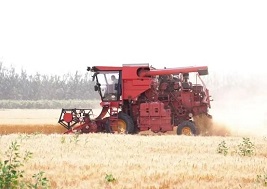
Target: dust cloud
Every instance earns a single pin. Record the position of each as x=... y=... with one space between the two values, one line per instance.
x=208 y=127
x=240 y=109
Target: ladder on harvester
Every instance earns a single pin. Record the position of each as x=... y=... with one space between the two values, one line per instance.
x=113 y=118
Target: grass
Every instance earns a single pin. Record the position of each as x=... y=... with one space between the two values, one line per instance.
x=136 y=161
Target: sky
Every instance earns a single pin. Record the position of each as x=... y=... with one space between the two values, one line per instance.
x=61 y=36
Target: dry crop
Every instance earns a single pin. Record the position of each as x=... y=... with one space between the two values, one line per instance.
x=31 y=128
x=45 y=121
x=134 y=161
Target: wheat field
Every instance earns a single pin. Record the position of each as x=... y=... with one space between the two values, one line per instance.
x=145 y=161
x=30 y=121
x=46 y=121
x=135 y=161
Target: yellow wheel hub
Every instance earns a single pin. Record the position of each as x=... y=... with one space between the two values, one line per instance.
x=186 y=131
x=121 y=126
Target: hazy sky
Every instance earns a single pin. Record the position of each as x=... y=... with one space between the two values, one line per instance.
x=55 y=36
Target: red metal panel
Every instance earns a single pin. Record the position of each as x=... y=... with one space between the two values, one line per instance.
x=200 y=110
x=154 y=109
x=156 y=124
x=173 y=71
x=132 y=84
x=133 y=88
x=131 y=72
x=144 y=109
x=106 y=68
x=187 y=99
x=154 y=116
x=143 y=82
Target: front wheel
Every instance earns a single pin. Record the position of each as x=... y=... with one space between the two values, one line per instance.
x=186 y=128
x=125 y=125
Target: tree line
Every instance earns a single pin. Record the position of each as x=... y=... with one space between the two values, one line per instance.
x=24 y=86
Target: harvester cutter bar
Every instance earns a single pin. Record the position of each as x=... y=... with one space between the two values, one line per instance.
x=70 y=117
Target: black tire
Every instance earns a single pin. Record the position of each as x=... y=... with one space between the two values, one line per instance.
x=186 y=125
x=130 y=129
x=107 y=127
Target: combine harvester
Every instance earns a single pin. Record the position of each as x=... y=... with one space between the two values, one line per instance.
x=138 y=97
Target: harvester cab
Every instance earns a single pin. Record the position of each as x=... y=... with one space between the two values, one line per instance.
x=108 y=85
x=138 y=97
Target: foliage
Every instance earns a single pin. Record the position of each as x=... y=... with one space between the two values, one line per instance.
x=222 y=148
x=75 y=138
x=14 y=86
x=10 y=168
x=40 y=181
x=19 y=85
x=11 y=173
x=72 y=139
x=262 y=179
x=246 y=148
x=110 y=178
x=62 y=139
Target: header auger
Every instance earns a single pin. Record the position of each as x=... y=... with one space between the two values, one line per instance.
x=138 y=97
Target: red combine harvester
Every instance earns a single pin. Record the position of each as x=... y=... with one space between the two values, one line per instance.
x=138 y=97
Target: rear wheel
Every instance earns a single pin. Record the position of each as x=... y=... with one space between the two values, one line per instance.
x=125 y=125
x=186 y=128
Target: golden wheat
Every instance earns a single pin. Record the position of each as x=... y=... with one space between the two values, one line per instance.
x=167 y=161
x=45 y=121
x=136 y=161
x=31 y=128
